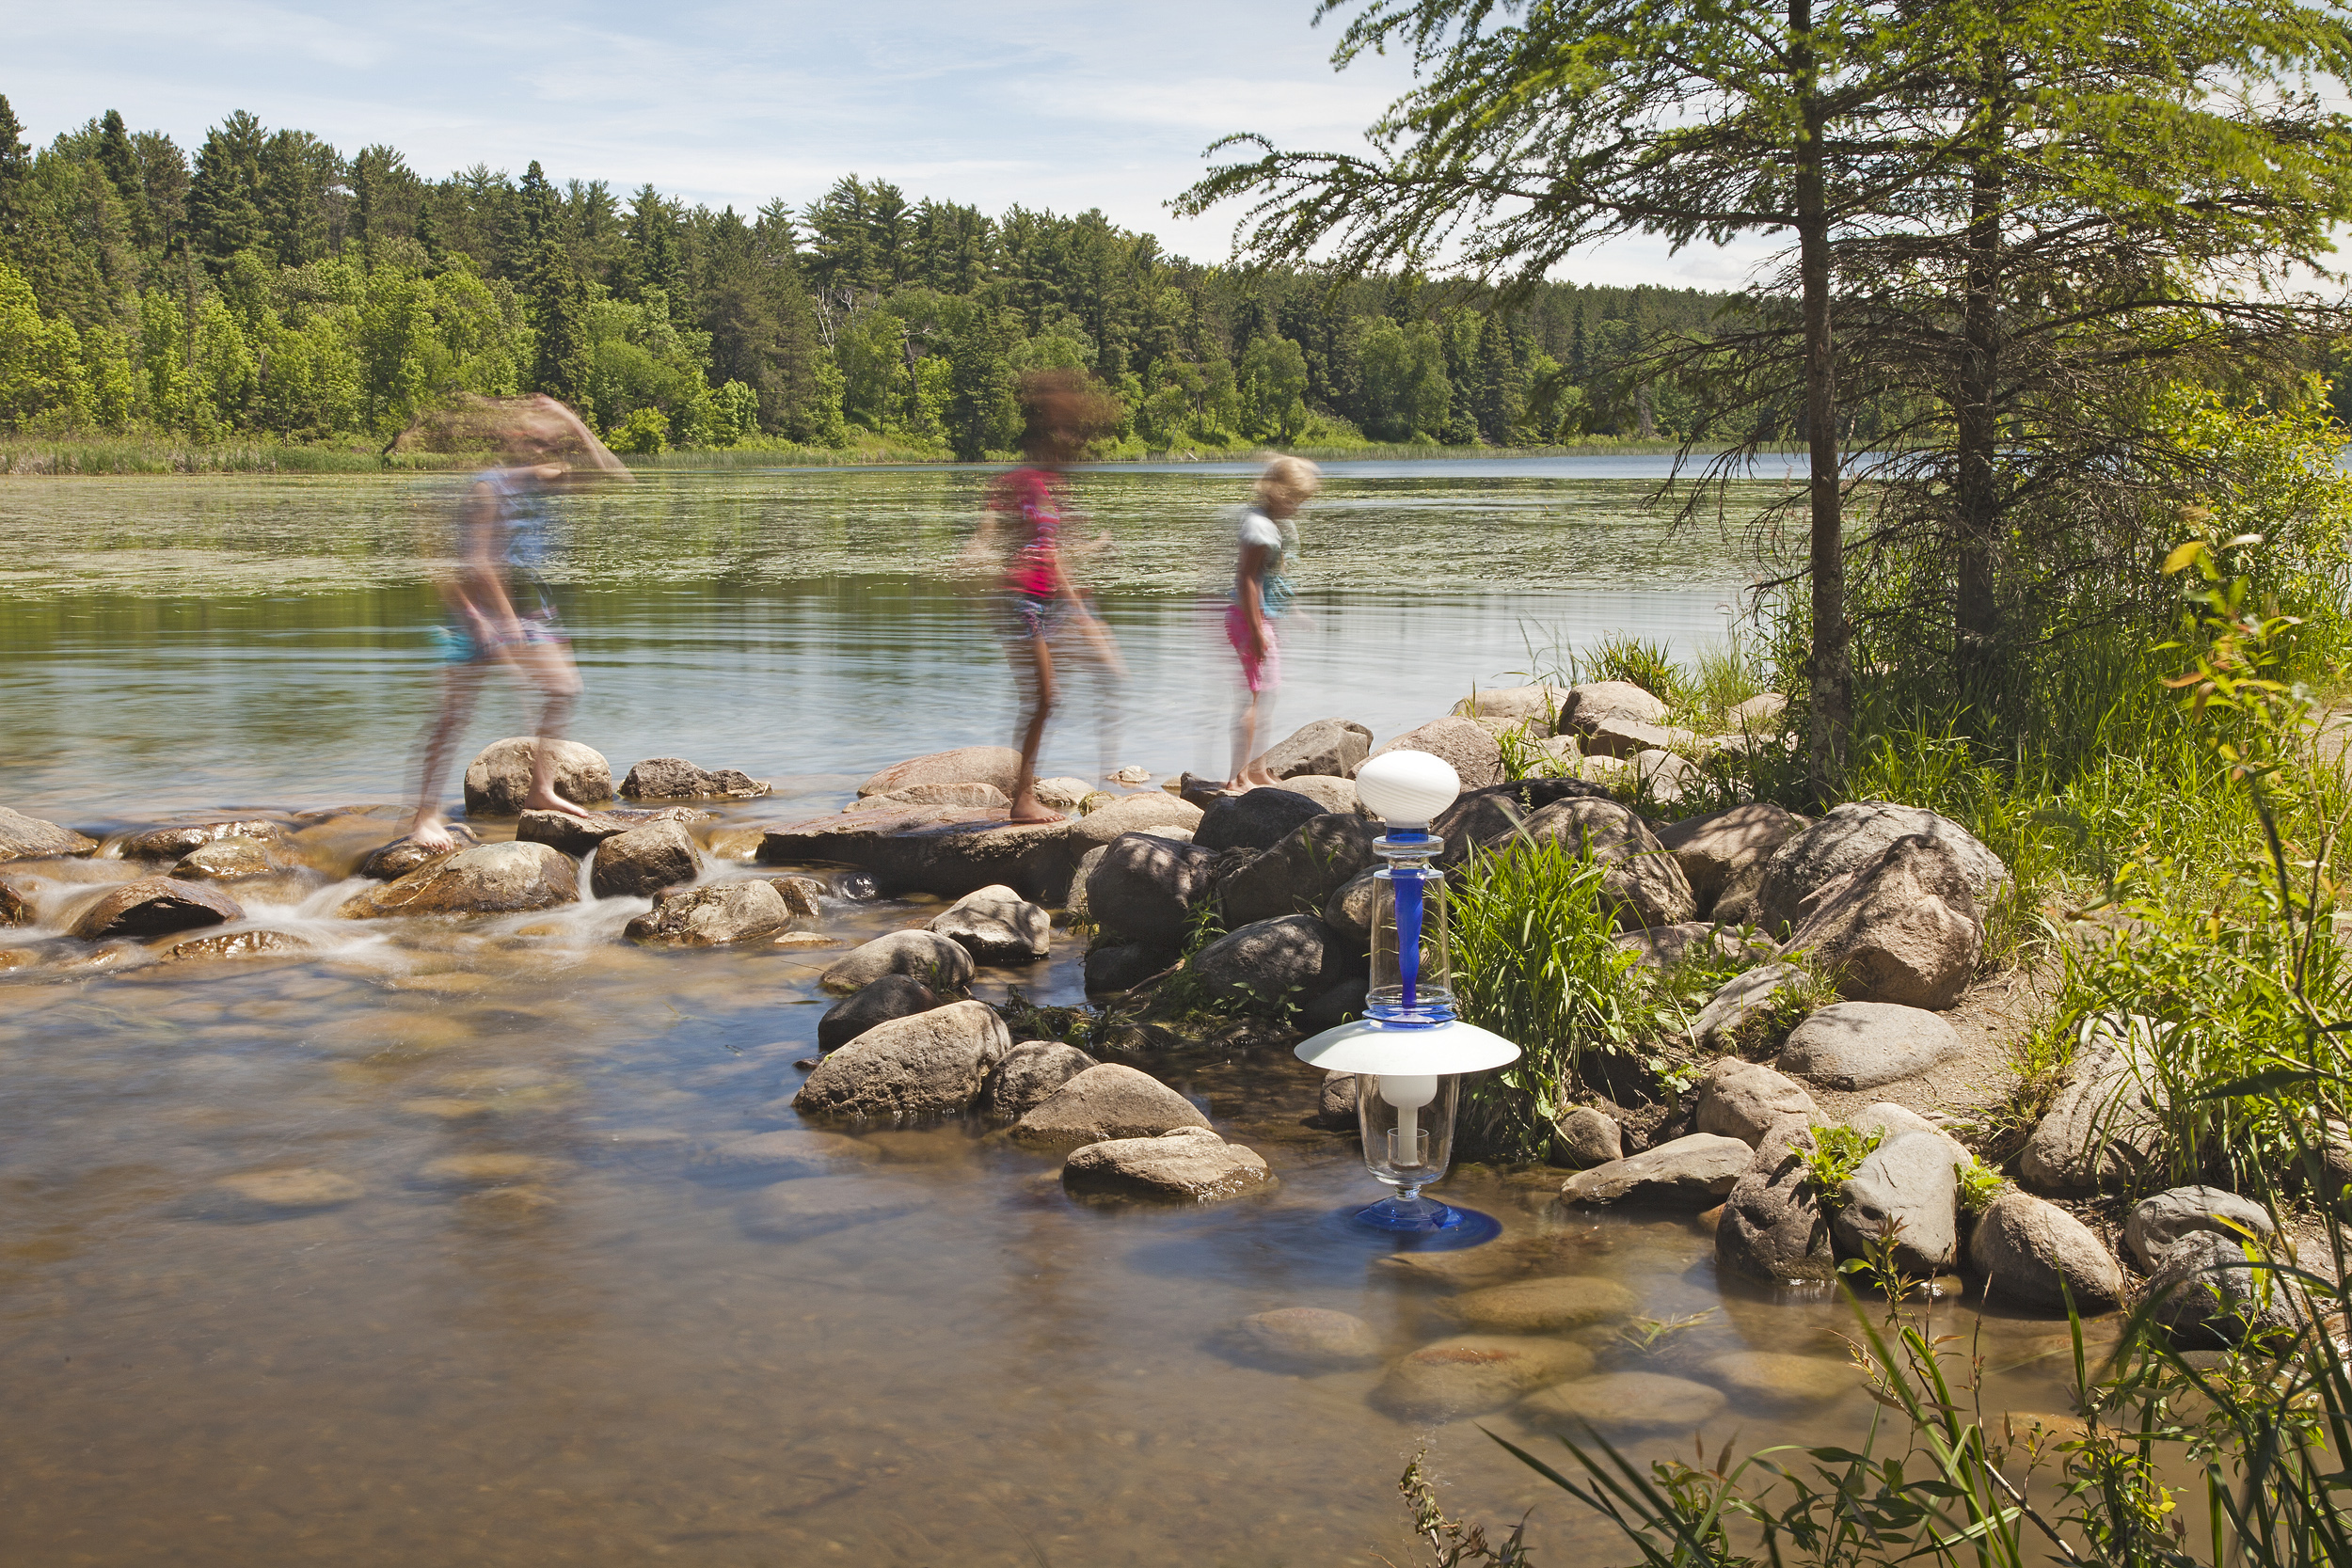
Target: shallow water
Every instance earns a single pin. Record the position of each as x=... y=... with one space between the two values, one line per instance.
x=531 y=1310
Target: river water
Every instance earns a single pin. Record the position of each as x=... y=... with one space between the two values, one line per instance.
x=524 y=1303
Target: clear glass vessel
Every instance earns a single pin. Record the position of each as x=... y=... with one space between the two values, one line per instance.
x=1412 y=979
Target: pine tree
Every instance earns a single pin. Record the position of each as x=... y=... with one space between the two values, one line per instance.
x=559 y=298
x=16 y=177
x=224 y=215
x=982 y=414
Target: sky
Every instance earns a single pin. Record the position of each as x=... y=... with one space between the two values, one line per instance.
x=1060 y=103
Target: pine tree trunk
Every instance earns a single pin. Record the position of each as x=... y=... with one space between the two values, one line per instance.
x=1833 y=675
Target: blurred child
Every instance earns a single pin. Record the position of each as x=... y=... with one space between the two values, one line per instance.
x=1267 y=539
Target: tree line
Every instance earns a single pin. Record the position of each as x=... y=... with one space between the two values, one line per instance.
x=272 y=285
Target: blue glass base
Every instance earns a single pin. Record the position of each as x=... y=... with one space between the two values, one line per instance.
x=1423 y=1216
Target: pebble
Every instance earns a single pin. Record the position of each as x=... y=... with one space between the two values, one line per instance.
x=1639 y=1400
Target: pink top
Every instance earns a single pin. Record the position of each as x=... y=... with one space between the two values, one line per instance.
x=1030 y=494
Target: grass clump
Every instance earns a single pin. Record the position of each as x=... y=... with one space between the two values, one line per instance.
x=1833 y=1154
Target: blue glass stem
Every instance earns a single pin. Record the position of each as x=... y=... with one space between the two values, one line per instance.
x=1408 y=910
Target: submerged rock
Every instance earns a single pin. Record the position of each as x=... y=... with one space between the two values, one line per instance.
x=29 y=838
x=498 y=780
x=152 y=906
x=790 y=1210
x=1309 y=1338
x=1471 y=1374
x=677 y=778
x=926 y=956
x=643 y=860
x=718 y=916
x=1635 y=1402
x=1775 y=1379
x=1542 y=1306
x=239 y=944
x=1107 y=1101
x=933 y=1064
x=492 y=878
x=996 y=926
x=1191 y=1165
x=299 y=1191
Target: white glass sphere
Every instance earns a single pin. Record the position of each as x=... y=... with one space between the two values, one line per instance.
x=1407 y=789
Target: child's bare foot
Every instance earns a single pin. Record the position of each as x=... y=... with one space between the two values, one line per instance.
x=1026 y=809
x=431 y=835
x=548 y=799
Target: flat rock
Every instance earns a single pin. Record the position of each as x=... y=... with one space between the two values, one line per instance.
x=1744 y=1099
x=2033 y=1252
x=947 y=850
x=2157 y=1225
x=1774 y=1226
x=1191 y=1165
x=1692 y=1173
x=718 y=916
x=1714 y=848
x=172 y=843
x=1106 y=1101
x=677 y=778
x=239 y=944
x=1740 y=1015
x=154 y=906
x=791 y=1210
x=29 y=838
x=1302 y=870
x=927 y=955
x=1585 y=1137
x=1332 y=746
x=491 y=879
x=985 y=797
x=1903 y=928
x=877 y=1001
x=497 y=781
x=2103 y=1130
x=1595 y=703
x=643 y=860
x=1860 y=1045
x=1030 y=1072
x=1471 y=1374
x=1777 y=1380
x=1908 y=1187
x=388 y=862
x=1629 y=1402
x=1309 y=1338
x=1641 y=877
x=234 y=859
x=1255 y=820
x=1850 y=837
x=996 y=926
x=992 y=765
x=931 y=1064
x=1473 y=753
x=1269 y=965
x=1542 y=1306
x=1631 y=738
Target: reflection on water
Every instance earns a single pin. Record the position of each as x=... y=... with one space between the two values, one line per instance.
x=442 y=1243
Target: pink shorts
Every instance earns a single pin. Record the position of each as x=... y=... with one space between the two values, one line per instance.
x=1261 y=675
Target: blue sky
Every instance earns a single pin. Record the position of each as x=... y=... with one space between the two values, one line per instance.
x=1046 y=102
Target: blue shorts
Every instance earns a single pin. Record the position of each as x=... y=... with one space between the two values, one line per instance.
x=1031 y=616
x=459 y=645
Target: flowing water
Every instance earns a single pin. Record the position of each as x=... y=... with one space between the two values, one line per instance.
x=521 y=1299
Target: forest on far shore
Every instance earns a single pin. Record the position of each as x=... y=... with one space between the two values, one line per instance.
x=272 y=286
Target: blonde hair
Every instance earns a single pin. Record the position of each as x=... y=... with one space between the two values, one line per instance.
x=1288 y=479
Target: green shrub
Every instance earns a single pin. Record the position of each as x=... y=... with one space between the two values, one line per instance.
x=1835 y=1152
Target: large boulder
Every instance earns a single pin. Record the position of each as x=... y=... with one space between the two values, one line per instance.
x=947 y=850
x=2217 y=1290
x=1903 y=928
x=997 y=927
x=984 y=796
x=719 y=915
x=927 y=955
x=1255 y=820
x=1740 y=1017
x=1474 y=1373
x=1144 y=888
x=1108 y=1101
x=1030 y=1072
x=1301 y=872
x=1191 y=1165
x=1746 y=1100
x=1908 y=1188
x=29 y=838
x=180 y=839
x=1487 y=817
x=1075 y=906
x=2103 y=1129
x=993 y=764
x=1714 y=848
x=1263 y=967
x=1597 y=702
x=2157 y=1225
x=498 y=780
x=1860 y=1045
x=878 y=1002
x=1691 y=1172
x=933 y=1064
x=1644 y=880
x=1330 y=793
x=1349 y=911
x=493 y=879
x=1850 y=837
x=677 y=778
x=643 y=860
x=1134 y=814
x=1464 y=743
x=152 y=906
x=388 y=862
x=1773 y=1226
x=2036 y=1253
x=1535 y=708
x=1331 y=747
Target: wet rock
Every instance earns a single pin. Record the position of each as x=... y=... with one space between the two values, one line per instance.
x=999 y=766
x=1334 y=748
x=15 y=908
x=1642 y=879
x=1258 y=819
x=2103 y=1128
x=239 y=944
x=1542 y=1306
x=947 y=850
x=1492 y=1263
x=227 y=860
x=1714 y=848
x=490 y=1168
x=795 y=1151
x=677 y=778
x=1903 y=928
x=1743 y=1099
x=644 y=861
x=933 y=1064
x=1144 y=887
x=1066 y=794
x=996 y=926
x=803 y=896
x=1906 y=1186
x=1584 y=1138
x=1629 y=1402
x=1597 y=702
x=792 y=1211
x=1850 y=837
x=1776 y=1379
x=739 y=845
x=1331 y=1009
x=1302 y=871
x=388 y=862
x=2025 y=1249
x=2215 y=1290
x=2157 y=1225
x=172 y=843
x=1773 y=1226
x=498 y=780
x=1694 y=940
x=1860 y=1045
x=492 y=878
x=1690 y=1173
x=152 y=906
x=577 y=835
x=1030 y=1072
x=1335 y=1105
x=1114 y=967
x=1742 y=1015
x=1464 y=744
x=1191 y=1165
x=1134 y=814
x=1263 y=967
x=1349 y=911
x=1106 y=1101
x=301 y=1191
x=29 y=838
x=719 y=915
x=1537 y=707
x=890 y=996
x=1474 y=1373
x=1309 y=1338
x=984 y=796
x=925 y=955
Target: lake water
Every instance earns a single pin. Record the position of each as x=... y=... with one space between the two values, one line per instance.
x=546 y=1320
